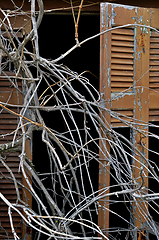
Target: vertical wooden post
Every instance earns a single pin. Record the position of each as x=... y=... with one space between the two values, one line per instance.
x=26 y=195
x=105 y=90
x=141 y=110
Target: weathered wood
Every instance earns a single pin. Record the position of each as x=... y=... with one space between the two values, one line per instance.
x=8 y=123
x=104 y=169
x=129 y=82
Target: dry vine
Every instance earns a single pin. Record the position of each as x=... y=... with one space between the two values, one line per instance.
x=71 y=200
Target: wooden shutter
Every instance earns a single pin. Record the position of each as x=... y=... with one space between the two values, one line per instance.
x=21 y=25
x=8 y=124
x=133 y=59
x=129 y=73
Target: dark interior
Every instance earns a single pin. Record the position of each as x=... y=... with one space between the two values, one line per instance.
x=56 y=36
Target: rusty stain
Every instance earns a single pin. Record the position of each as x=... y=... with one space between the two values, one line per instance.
x=141 y=40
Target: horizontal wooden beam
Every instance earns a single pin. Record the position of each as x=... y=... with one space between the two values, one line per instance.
x=88 y=6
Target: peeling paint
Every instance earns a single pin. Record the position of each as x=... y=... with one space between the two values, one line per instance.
x=139 y=104
x=102 y=95
x=108 y=77
x=140 y=20
x=100 y=171
x=103 y=15
x=117 y=96
x=110 y=24
x=135 y=32
x=124 y=6
x=134 y=18
x=113 y=16
x=145 y=30
x=139 y=55
x=102 y=104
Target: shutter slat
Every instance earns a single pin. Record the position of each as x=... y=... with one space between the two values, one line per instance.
x=154 y=79
x=122 y=55
x=154 y=85
x=8 y=121
x=122 y=38
x=154 y=34
x=122 y=61
x=120 y=84
x=154 y=51
x=123 y=31
x=154 y=40
x=123 y=115
x=116 y=89
x=154 y=63
x=154 y=68
x=122 y=49
x=154 y=46
x=122 y=67
x=154 y=74
x=122 y=43
x=123 y=73
x=121 y=79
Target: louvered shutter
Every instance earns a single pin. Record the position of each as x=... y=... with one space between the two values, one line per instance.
x=129 y=74
x=8 y=124
x=132 y=59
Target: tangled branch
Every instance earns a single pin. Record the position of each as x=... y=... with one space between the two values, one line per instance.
x=66 y=197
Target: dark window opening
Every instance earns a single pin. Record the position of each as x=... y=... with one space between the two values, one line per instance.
x=153 y=185
x=120 y=212
x=56 y=36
